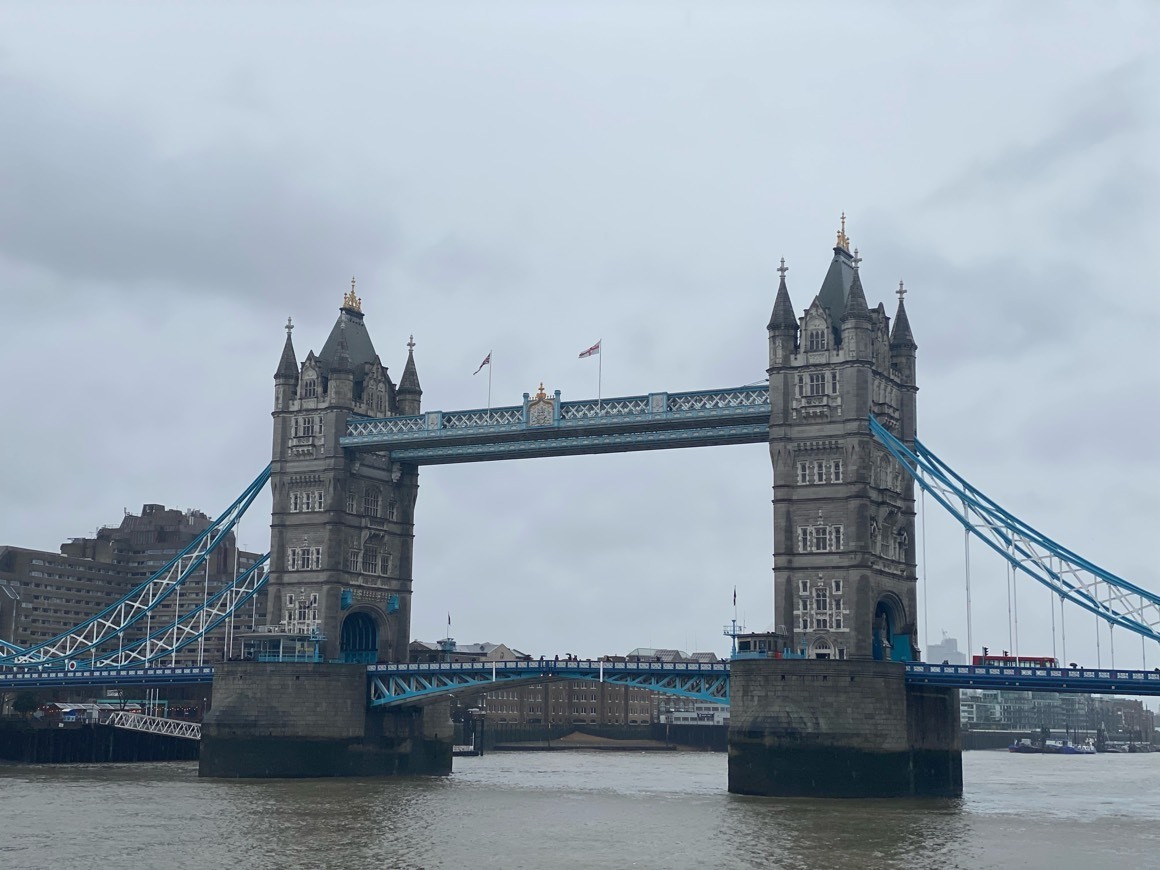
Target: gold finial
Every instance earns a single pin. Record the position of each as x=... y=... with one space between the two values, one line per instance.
x=411 y=344
x=843 y=240
x=901 y=291
x=289 y=326
x=350 y=301
x=782 y=269
x=541 y=394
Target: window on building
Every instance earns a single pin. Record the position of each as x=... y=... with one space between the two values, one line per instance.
x=371 y=499
x=833 y=383
x=803 y=473
x=817 y=384
x=370 y=560
x=837 y=588
x=295 y=502
x=352 y=559
x=309 y=388
x=801 y=385
x=306 y=427
x=392 y=509
x=385 y=563
x=841 y=652
x=819 y=472
x=317 y=558
x=837 y=614
x=292 y=559
x=351 y=501
x=307 y=501
x=819 y=539
x=816 y=339
x=836 y=471
x=821 y=599
x=804 y=586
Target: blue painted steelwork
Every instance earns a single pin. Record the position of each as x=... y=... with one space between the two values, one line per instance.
x=397 y=685
x=1067 y=574
x=192 y=625
x=656 y=421
x=91 y=638
x=37 y=679
x=1099 y=681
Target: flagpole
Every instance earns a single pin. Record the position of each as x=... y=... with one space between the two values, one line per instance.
x=599 y=372
x=489 y=367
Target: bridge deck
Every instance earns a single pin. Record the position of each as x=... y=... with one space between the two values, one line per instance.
x=689 y=678
x=546 y=426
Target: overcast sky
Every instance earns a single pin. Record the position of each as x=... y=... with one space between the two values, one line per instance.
x=527 y=178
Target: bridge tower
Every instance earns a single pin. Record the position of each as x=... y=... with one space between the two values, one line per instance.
x=342 y=530
x=845 y=723
x=844 y=542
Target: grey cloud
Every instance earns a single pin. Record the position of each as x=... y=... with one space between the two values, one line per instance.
x=89 y=196
x=1109 y=109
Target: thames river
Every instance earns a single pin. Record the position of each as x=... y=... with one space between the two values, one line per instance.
x=577 y=809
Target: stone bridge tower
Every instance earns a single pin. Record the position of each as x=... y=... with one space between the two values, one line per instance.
x=845 y=723
x=342 y=530
x=844 y=542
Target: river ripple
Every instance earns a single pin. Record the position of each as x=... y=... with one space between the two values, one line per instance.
x=576 y=809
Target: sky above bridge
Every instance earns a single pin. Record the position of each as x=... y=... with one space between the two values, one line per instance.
x=526 y=179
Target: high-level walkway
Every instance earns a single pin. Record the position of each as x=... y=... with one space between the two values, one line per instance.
x=545 y=426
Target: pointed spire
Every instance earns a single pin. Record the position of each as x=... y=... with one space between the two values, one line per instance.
x=341 y=363
x=900 y=336
x=843 y=241
x=856 y=307
x=288 y=364
x=410 y=380
x=783 y=316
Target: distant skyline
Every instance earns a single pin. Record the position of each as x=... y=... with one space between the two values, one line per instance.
x=525 y=180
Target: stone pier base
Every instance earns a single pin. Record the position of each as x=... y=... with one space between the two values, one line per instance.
x=303 y=720
x=824 y=728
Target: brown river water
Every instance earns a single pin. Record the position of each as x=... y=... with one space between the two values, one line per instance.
x=577 y=809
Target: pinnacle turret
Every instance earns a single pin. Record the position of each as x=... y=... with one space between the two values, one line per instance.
x=288 y=364
x=856 y=307
x=901 y=338
x=783 y=316
x=409 y=392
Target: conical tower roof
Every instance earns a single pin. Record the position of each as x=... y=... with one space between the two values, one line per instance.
x=409 y=383
x=900 y=335
x=288 y=364
x=360 y=349
x=340 y=362
x=783 y=316
x=856 y=307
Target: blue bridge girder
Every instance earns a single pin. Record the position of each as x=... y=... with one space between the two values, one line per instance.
x=656 y=421
x=15 y=680
x=1098 y=681
x=401 y=685
x=411 y=684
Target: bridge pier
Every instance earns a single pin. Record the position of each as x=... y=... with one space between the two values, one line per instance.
x=283 y=720
x=826 y=728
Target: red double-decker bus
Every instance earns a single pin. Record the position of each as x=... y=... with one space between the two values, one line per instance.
x=1010 y=661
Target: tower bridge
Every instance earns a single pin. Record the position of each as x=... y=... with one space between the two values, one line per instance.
x=837 y=406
